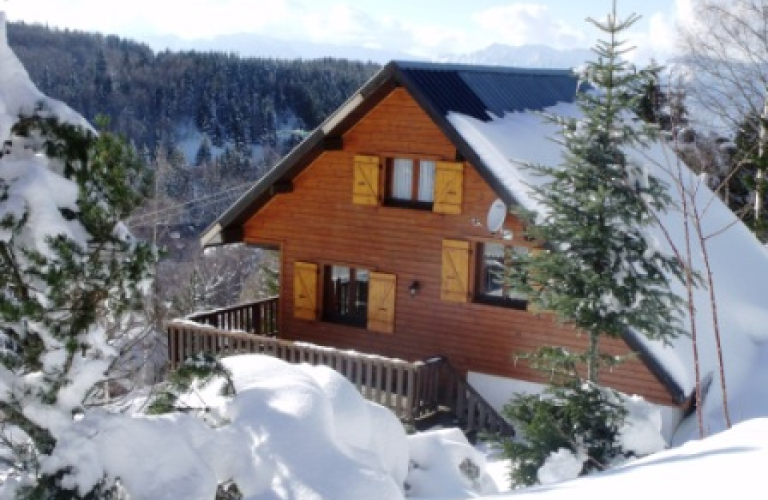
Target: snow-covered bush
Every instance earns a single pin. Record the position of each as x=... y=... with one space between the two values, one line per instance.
x=580 y=421
x=573 y=429
x=71 y=273
x=194 y=371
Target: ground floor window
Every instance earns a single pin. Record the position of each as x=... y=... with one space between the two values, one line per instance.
x=345 y=295
x=492 y=285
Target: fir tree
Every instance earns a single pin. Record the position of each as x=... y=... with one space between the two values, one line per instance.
x=66 y=280
x=204 y=155
x=602 y=273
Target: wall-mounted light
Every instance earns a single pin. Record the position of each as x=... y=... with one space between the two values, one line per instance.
x=414 y=288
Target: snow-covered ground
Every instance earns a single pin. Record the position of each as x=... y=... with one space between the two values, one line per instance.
x=291 y=432
x=728 y=464
x=294 y=432
x=298 y=432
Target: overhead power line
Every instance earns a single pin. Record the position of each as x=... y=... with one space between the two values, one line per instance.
x=176 y=209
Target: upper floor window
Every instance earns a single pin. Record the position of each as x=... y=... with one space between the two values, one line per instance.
x=410 y=182
x=492 y=285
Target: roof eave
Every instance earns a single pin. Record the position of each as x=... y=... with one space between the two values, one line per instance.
x=286 y=169
x=655 y=366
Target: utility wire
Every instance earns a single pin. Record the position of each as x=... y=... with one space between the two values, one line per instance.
x=176 y=208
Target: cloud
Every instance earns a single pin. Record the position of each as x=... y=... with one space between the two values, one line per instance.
x=660 y=40
x=529 y=23
x=685 y=12
x=656 y=42
x=185 y=18
x=343 y=24
x=346 y=24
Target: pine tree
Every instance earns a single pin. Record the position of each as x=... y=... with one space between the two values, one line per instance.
x=70 y=271
x=204 y=155
x=602 y=273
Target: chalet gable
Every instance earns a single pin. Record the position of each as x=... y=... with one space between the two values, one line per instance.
x=479 y=92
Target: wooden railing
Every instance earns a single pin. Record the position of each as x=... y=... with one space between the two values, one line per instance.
x=442 y=386
x=411 y=390
x=258 y=317
x=389 y=382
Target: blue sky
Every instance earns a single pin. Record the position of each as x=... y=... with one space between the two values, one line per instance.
x=422 y=27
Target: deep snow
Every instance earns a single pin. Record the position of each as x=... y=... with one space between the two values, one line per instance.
x=304 y=433
x=292 y=432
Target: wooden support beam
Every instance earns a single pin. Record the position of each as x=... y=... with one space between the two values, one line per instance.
x=333 y=143
x=281 y=187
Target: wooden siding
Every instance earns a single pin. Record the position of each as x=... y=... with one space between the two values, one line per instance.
x=318 y=223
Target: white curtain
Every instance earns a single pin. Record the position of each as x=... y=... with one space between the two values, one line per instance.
x=402 y=179
x=426 y=180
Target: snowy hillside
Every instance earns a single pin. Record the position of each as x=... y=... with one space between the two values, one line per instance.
x=726 y=465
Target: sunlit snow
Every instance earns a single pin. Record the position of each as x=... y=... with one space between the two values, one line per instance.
x=296 y=432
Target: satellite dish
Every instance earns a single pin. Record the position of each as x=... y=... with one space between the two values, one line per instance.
x=496 y=215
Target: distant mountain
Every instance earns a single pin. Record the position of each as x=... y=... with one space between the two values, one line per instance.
x=526 y=56
x=253 y=45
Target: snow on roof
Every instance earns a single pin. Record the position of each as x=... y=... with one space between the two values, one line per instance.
x=739 y=262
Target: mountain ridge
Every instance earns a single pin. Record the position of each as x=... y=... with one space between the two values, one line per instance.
x=261 y=46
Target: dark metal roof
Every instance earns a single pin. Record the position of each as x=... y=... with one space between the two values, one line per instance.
x=479 y=90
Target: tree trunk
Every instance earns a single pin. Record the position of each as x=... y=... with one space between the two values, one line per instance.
x=759 y=175
x=593 y=357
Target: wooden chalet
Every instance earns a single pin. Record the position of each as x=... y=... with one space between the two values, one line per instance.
x=381 y=219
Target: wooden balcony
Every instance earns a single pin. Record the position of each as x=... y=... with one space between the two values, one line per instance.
x=258 y=317
x=412 y=390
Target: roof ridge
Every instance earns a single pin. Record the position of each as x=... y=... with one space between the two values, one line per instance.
x=453 y=66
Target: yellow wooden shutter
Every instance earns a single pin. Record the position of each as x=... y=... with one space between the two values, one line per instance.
x=381 y=302
x=365 y=182
x=449 y=187
x=305 y=290
x=454 y=285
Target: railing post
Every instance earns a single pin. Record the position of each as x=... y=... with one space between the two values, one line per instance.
x=172 y=348
x=259 y=318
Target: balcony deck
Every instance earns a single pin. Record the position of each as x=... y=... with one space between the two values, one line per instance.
x=412 y=390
